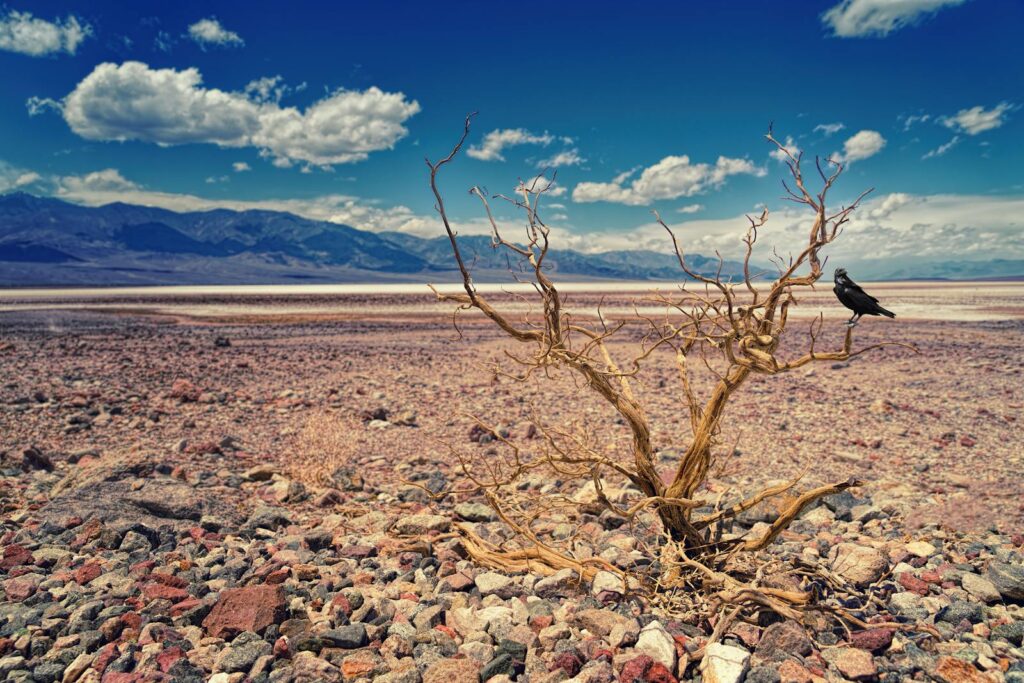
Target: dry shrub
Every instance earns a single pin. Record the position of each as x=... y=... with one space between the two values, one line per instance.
x=323 y=446
x=716 y=334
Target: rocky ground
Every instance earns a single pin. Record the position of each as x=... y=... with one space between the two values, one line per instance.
x=218 y=500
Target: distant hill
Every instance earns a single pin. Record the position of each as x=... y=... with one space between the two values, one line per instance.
x=49 y=242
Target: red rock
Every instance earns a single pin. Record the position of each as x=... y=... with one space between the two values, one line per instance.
x=459 y=582
x=792 y=672
x=967 y=442
x=87 y=572
x=184 y=391
x=341 y=604
x=158 y=591
x=567 y=662
x=358 y=552
x=20 y=589
x=16 y=555
x=169 y=657
x=448 y=631
x=875 y=640
x=931 y=577
x=953 y=670
x=179 y=608
x=634 y=670
x=659 y=674
x=252 y=608
x=168 y=580
x=540 y=622
x=106 y=655
x=281 y=649
x=6 y=645
x=913 y=584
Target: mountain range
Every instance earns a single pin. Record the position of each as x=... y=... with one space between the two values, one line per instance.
x=49 y=242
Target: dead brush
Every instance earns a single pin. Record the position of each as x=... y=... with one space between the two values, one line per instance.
x=323 y=446
x=716 y=334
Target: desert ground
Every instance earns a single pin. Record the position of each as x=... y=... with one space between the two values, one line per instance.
x=224 y=484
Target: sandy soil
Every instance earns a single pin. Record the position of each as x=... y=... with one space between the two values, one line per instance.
x=941 y=428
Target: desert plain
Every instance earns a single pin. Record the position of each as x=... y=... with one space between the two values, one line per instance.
x=228 y=484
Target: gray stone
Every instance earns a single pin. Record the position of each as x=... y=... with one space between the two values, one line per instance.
x=980 y=587
x=1008 y=579
x=475 y=512
x=242 y=653
x=417 y=525
x=492 y=583
x=346 y=637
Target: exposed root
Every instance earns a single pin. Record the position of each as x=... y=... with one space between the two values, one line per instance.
x=538 y=558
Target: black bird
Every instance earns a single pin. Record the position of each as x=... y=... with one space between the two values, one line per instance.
x=856 y=299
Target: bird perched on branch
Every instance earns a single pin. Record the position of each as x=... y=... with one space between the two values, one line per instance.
x=856 y=299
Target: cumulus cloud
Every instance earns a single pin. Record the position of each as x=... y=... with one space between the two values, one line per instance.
x=829 y=128
x=862 y=145
x=207 y=32
x=107 y=181
x=670 y=178
x=884 y=234
x=495 y=142
x=978 y=119
x=132 y=101
x=25 y=34
x=567 y=157
x=879 y=18
x=13 y=178
x=241 y=167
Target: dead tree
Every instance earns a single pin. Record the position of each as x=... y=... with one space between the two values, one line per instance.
x=712 y=325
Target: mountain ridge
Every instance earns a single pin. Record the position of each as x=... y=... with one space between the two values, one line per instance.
x=45 y=241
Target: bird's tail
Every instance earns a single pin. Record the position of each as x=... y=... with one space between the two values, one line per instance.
x=887 y=314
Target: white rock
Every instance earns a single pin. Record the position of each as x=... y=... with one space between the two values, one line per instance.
x=859 y=564
x=606 y=581
x=724 y=663
x=921 y=549
x=655 y=642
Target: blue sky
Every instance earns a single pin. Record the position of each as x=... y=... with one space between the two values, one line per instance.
x=329 y=111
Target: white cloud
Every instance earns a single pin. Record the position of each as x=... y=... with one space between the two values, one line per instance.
x=879 y=18
x=12 y=178
x=829 y=128
x=790 y=146
x=25 y=34
x=977 y=119
x=210 y=32
x=690 y=208
x=496 y=141
x=909 y=121
x=270 y=89
x=567 y=157
x=884 y=231
x=132 y=101
x=241 y=167
x=942 y=149
x=897 y=226
x=670 y=178
x=862 y=145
